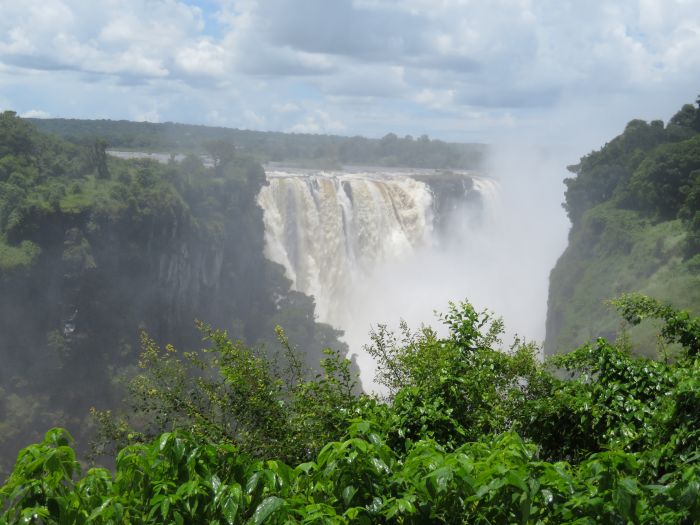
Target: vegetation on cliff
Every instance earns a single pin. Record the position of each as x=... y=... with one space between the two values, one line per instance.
x=468 y=434
x=93 y=249
x=635 y=212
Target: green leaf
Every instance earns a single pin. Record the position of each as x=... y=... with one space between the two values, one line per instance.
x=179 y=449
x=442 y=478
x=380 y=466
x=230 y=509
x=164 y=439
x=253 y=482
x=516 y=481
x=629 y=485
x=405 y=506
x=348 y=493
x=267 y=508
x=376 y=506
x=101 y=509
x=306 y=467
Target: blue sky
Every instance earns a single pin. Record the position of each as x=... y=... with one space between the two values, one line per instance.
x=552 y=71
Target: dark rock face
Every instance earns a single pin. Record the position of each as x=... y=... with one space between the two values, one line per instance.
x=451 y=192
x=70 y=321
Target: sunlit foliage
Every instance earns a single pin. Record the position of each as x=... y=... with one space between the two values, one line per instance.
x=596 y=436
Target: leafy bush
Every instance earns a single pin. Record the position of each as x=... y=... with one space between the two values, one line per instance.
x=228 y=393
x=593 y=437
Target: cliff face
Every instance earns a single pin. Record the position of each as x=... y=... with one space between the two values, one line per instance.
x=153 y=269
x=451 y=192
x=635 y=212
x=90 y=258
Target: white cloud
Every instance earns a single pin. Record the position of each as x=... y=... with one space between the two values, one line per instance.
x=435 y=99
x=253 y=120
x=131 y=38
x=147 y=116
x=457 y=69
x=202 y=58
x=366 y=80
x=288 y=107
x=318 y=121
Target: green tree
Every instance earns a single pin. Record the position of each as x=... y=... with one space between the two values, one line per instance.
x=16 y=135
x=98 y=158
x=221 y=153
x=230 y=393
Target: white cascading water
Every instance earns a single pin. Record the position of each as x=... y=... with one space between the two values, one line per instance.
x=331 y=230
x=364 y=245
x=488 y=190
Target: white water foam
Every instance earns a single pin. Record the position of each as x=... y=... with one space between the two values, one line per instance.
x=348 y=238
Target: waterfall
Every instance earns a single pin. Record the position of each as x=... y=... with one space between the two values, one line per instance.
x=330 y=230
x=488 y=192
x=376 y=244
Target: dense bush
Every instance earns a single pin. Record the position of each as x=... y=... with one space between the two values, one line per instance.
x=467 y=435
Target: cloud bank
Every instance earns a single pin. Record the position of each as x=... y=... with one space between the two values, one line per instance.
x=549 y=70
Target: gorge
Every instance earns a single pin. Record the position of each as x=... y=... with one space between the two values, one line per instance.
x=97 y=248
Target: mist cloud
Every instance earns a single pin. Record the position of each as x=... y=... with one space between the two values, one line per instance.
x=497 y=259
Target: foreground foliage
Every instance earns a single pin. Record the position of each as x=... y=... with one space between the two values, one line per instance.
x=468 y=434
x=179 y=479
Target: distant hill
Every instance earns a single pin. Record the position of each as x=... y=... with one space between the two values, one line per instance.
x=307 y=149
x=635 y=211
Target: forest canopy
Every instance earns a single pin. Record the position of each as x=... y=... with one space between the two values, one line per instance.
x=306 y=149
x=634 y=206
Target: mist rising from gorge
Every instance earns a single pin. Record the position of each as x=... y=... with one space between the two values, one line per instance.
x=495 y=251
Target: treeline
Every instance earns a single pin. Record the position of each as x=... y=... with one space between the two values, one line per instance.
x=467 y=434
x=635 y=212
x=94 y=249
x=306 y=149
x=652 y=168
